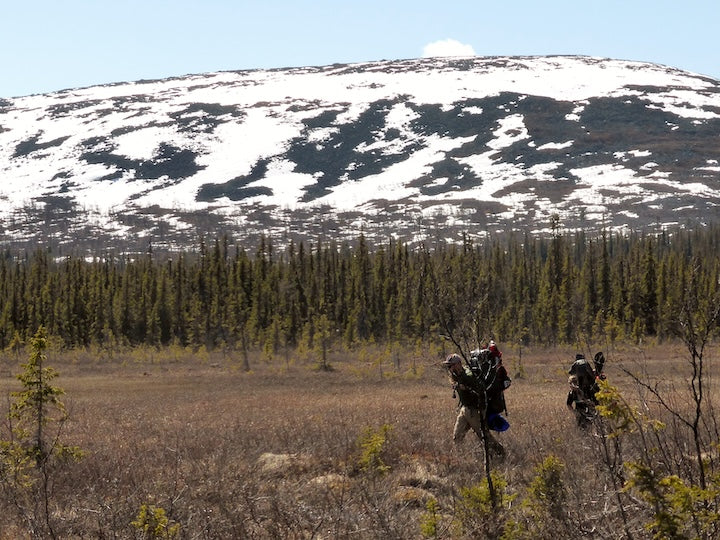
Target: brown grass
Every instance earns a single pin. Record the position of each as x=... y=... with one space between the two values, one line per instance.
x=273 y=453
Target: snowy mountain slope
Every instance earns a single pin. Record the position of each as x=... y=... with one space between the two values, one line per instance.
x=417 y=149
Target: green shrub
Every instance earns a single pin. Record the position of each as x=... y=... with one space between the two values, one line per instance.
x=680 y=509
x=477 y=513
x=430 y=520
x=372 y=443
x=154 y=523
x=27 y=456
x=546 y=493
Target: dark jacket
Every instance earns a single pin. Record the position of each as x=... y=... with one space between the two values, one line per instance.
x=469 y=389
x=496 y=386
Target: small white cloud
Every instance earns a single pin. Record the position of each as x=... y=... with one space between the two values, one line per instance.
x=447 y=47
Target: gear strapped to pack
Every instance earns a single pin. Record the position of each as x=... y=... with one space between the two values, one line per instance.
x=480 y=364
x=486 y=366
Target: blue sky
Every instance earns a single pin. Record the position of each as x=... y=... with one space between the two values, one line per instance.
x=50 y=45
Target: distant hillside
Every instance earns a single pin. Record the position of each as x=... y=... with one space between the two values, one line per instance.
x=420 y=150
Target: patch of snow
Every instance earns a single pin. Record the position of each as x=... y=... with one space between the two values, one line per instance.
x=511 y=129
x=555 y=146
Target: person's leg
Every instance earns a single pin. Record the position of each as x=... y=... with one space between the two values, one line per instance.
x=461 y=426
x=494 y=445
x=474 y=419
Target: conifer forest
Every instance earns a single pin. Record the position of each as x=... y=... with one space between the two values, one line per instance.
x=565 y=289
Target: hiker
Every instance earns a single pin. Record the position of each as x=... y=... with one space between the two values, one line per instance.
x=473 y=405
x=583 y=381
x=497 y=381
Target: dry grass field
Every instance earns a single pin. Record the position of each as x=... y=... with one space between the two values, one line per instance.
x=364 y=450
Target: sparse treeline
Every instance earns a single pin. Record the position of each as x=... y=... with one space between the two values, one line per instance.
x=562 y=289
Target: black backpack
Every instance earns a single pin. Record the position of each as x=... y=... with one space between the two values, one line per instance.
x=480 y=364
x=585 y=374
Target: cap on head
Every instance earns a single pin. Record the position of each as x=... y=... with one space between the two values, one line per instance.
x=579 y=356
x=492 y=343
x=452 y=360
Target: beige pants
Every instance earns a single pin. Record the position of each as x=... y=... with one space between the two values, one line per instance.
x=468 y=418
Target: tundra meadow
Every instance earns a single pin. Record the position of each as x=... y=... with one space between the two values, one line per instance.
x=176 y=443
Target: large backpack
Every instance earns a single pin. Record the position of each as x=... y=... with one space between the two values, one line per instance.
x=484 y=366
x=585 y=374
x=480 y=364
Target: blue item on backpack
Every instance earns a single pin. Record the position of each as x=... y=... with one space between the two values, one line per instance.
x=497 y=422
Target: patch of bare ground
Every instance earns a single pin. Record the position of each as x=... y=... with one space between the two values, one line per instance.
x=276 y=452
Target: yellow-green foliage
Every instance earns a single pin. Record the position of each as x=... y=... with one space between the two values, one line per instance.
x=33 y=404
x=680 y=509
x=430 y=520
x=33 y=408
x=620 y=416
x=542 y=507
x=477 y=499
x=546 y=492
x=476 y=511
x=154 y=523
x=372 y=443
x=24 y=457
x=16 y=466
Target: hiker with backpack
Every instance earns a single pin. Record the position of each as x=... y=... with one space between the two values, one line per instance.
x=473 y=402
x=583 y=381
x=497 y=381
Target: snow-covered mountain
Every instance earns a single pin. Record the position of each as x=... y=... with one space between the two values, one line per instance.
x=418 y=150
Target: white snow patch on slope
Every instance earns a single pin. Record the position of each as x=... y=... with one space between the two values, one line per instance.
x=555 y=146
x=511 y=130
